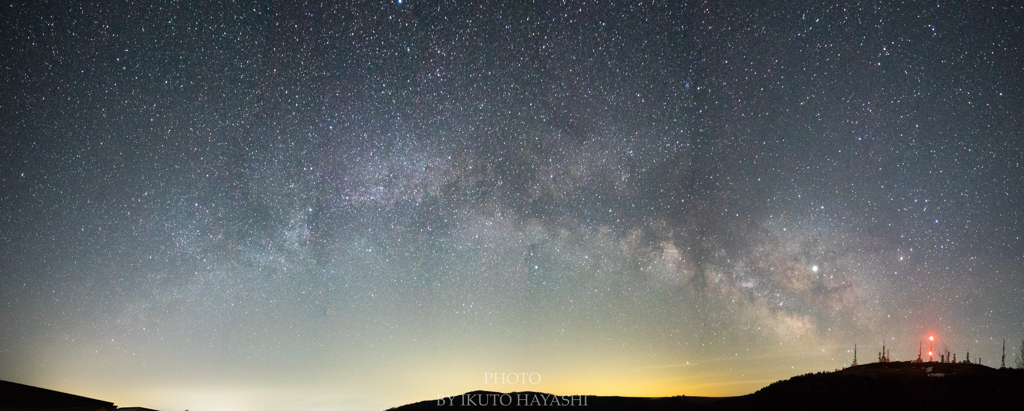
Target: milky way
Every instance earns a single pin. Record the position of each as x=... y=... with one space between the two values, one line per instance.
x=249 y=205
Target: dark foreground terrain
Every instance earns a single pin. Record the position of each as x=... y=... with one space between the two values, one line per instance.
x=20 y=397
x=879 y=386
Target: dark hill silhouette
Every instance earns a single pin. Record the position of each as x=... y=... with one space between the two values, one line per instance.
x=897 y=385
x=880 y=386
x=532 y=400
x=21 y=397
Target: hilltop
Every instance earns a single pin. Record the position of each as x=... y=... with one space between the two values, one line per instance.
x=895 y=385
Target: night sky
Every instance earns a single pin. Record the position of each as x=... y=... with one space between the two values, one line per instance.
x=252 y=206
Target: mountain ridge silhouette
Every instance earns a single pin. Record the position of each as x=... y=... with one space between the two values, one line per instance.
x=893 y=385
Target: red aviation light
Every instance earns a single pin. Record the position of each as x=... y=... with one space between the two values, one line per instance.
x=931 y=338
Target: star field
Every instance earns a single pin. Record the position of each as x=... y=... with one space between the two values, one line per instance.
x=252 y=205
